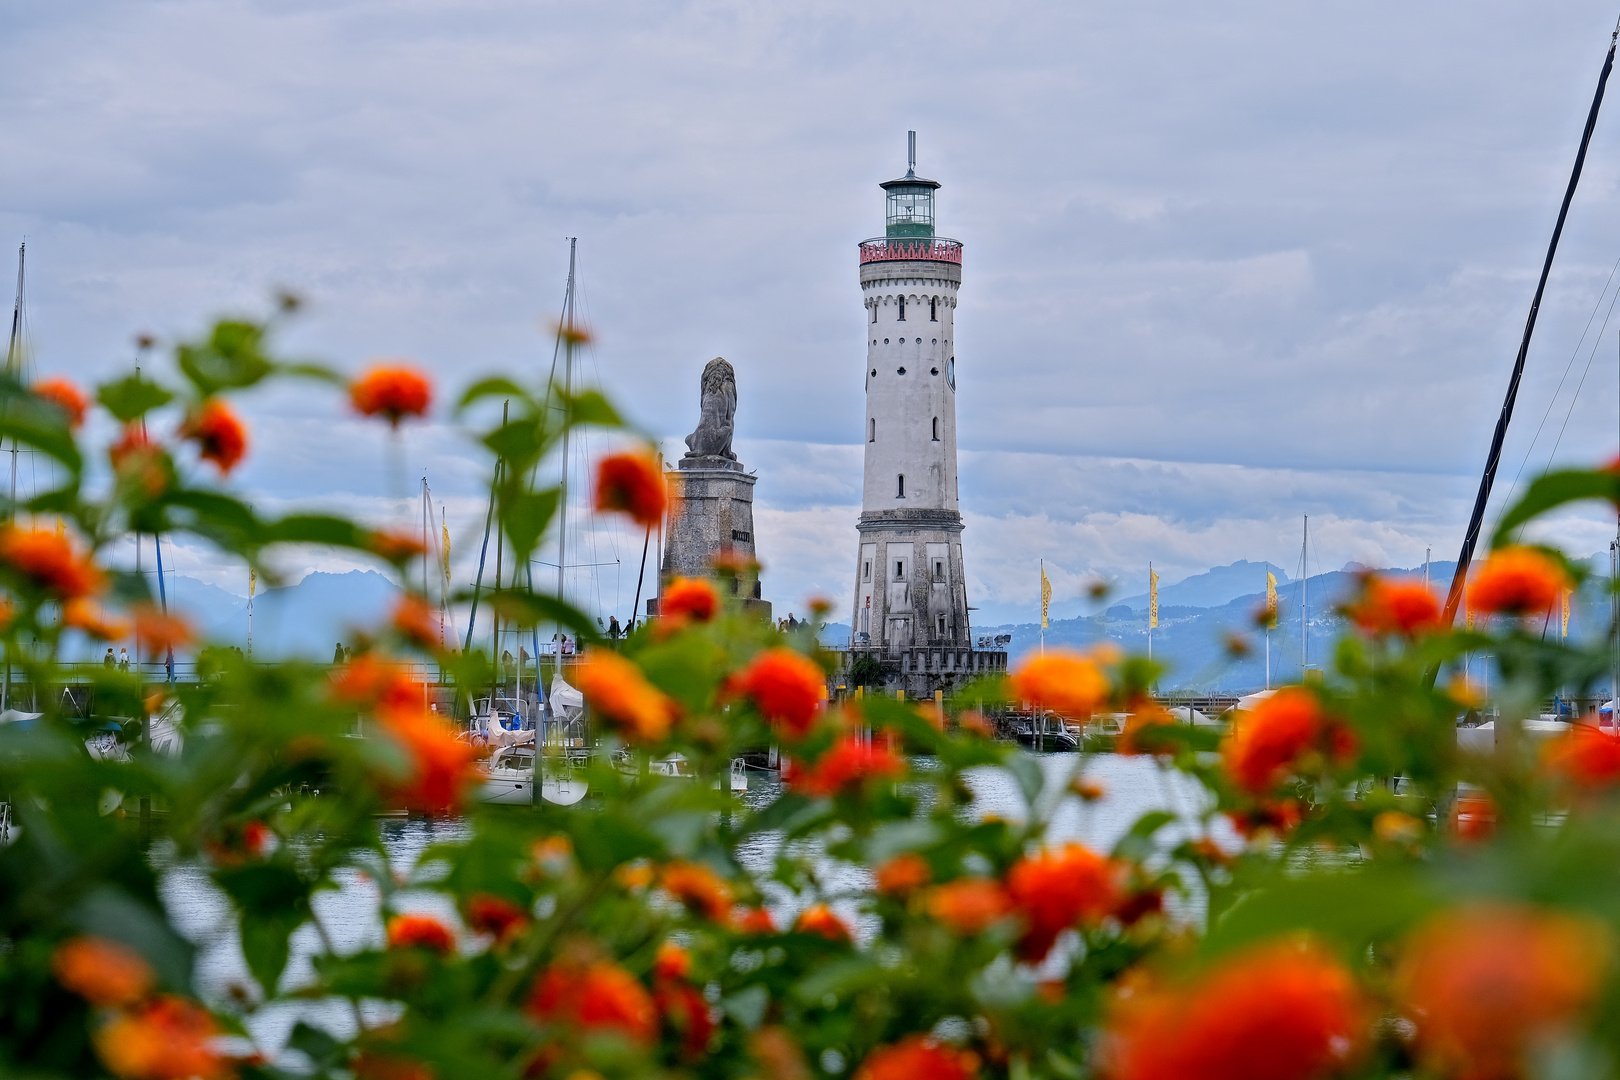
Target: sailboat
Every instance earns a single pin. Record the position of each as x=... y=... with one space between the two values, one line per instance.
x=556 y=723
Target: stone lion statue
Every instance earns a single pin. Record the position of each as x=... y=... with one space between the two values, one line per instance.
x=717 y=403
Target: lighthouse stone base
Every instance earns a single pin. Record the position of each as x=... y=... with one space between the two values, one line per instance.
x=714 y=513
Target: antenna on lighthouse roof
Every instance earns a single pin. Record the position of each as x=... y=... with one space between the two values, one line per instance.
x=911 y=153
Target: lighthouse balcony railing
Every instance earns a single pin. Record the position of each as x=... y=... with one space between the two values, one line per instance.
x=916 y=249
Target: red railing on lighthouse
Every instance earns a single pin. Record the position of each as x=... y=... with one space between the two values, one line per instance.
x=926 y=249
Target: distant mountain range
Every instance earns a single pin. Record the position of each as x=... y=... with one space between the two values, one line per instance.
x=1203 y=616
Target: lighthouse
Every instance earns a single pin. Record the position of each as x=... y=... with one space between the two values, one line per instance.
x=911 y=605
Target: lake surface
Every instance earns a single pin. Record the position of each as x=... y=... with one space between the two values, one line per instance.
x=351 y=920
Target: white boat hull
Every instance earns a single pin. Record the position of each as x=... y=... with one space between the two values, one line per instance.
x=518 y=790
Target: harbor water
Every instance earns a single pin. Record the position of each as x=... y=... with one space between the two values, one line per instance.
x=350 y=918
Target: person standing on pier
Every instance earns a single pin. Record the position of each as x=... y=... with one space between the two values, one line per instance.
x=123 y=659
x=337 y=654
x=108 y=661
x=613 y=628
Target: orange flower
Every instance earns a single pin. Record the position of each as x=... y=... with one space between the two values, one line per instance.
x=1056 y=889
x=368 y=682
x=420 y=932
x=686 y=1014
x=672 y=961
x=1267 y=743
x=622 y=696
x=1268 y=816
x=1277 y=1011
x=85 y=614
x=417 y=622
x=65 y=396
x=1140 y=735
x=969 y=905
x=495 y=916
x=699 y=888
x=786 y=687
x=594 y=998
x=1063 y=680
x=1517 y=581
x=140 y=463
x=688 y=600
x=819 y=919
x=372 y=1064
x=168 y=1038
x=49 y=563
x=220 y=436
x=754 y=921
x=1407 y=608
x=918 y=1057
x=102 y=972
x=156 y=632
x=847 y=764
x=1473 y=818
x=1489 y=983
x=1584 y=756
x=239 y=842
x=395 y=547
x=902 y=874
x=441 y=766
x=633 y=484
x=393 y=392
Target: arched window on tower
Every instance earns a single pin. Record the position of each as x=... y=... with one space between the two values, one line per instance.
x=933 y=309
x=874 y=313
x=871 y=435
x=900 y=486
x=936 y=429
x=902 y=309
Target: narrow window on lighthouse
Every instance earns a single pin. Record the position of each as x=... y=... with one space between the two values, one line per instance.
x=941 y=624
x=900 y=486
x=936 y=429
x=874 y=313
x=872 y=435
x=868 y=572
x=902 y=309
x=933 y=309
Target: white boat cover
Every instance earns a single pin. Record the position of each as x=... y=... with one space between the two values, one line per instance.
x=567 y=704
x=1249 y=701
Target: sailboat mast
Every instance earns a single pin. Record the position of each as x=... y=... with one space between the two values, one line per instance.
x=568 y=392
x=14 y=361
x=1304 y=598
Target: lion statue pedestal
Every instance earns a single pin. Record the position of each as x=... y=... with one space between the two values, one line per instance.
x=714 y=495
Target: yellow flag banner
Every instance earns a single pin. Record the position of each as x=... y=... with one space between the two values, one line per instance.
x=445 y=551
x=253 y=582
x=1153 y=598
x=1271 y=598
x=1564 y=629
x=1046 y=596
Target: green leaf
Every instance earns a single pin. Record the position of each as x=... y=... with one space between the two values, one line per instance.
x=591 y=407
x=484 y=388
x=233 y=358
x=532 y=609
x=747 y=1006
x=526 y=516
x=1026 y=769
x=316 y=529
x=1137 y=844
x=265 y=946
x=132 y=397
x=1552 y=491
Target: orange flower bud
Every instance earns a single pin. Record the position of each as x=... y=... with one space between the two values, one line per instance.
x=49 y=563
x=1517 y=581
x=968 y=905
x=66 y=396
x=903 y=874
x=391 y=392
x=102 y=972
x=1065 y=681
x=632 y=483
x=1489 y=984
x=786 y=687
x=219 y=435
x=918 y=1057
x=820 y=920
x=1407 y=608
x=168 y=1038
x=623 y=697
x=1058 y=889
x=420 y=932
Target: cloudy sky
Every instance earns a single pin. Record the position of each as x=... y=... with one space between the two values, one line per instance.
x=1226 y=265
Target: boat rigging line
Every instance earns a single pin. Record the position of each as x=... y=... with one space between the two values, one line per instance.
x=1494 y=458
